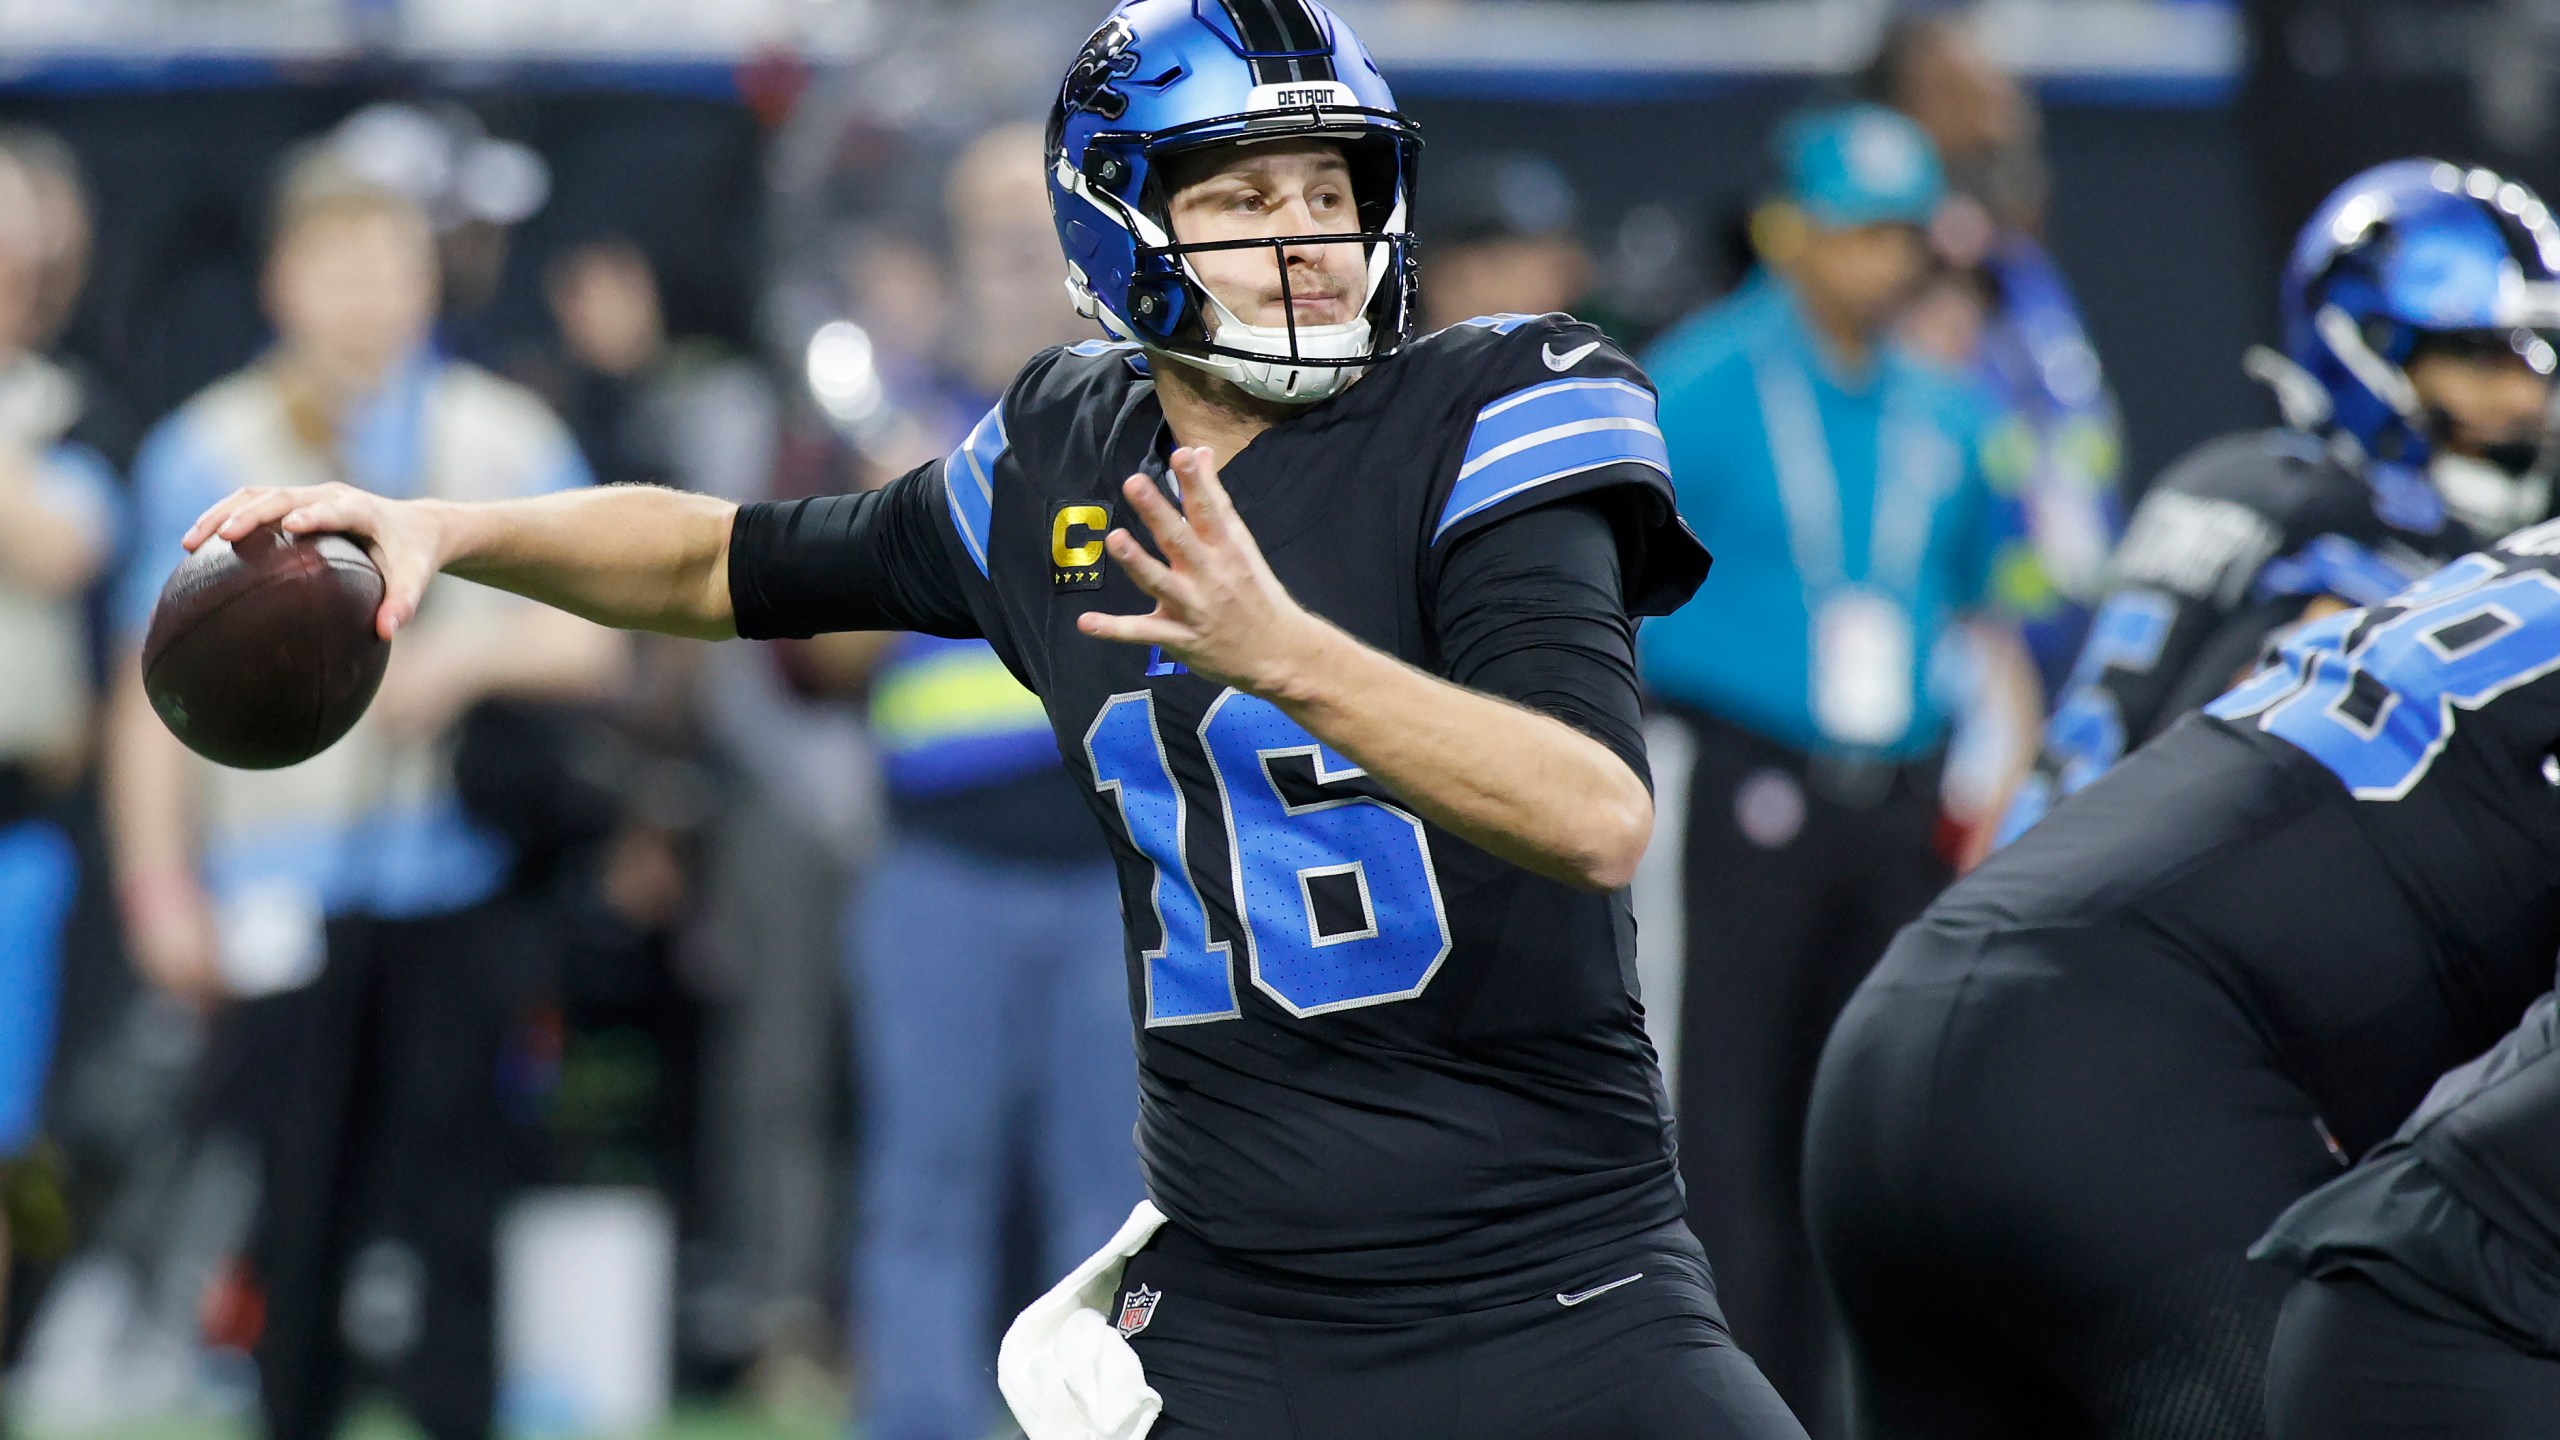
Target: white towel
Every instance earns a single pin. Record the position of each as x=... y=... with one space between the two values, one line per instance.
x=1064 y=1366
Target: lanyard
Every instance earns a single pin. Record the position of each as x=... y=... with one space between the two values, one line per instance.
x=1907 y=485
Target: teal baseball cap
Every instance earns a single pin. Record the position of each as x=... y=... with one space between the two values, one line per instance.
x=1849 y=165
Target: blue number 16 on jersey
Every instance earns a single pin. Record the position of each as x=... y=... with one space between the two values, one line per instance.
x=1390 y=931
x=2380 y=709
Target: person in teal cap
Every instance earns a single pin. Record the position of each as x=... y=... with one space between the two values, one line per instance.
x=1842 y=483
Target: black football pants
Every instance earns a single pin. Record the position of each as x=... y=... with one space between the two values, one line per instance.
x=2035 y=1165
x=1782 y=923
x=372 y=1097
x=2351 y=1363
x=1553 y=1353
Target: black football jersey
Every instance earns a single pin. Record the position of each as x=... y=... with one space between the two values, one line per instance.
x=1367 y=1050
x=2459 y=1215
x=2232 y=543
x=2361 y=841
x=2439 y=712
x=2492 y=1130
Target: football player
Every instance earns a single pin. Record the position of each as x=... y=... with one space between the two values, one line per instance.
x=2432 y=1307
x=1334 y=626
x=2416 y=378
x=2049 y=1127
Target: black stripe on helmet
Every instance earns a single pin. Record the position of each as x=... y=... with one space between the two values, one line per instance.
x=1284 y=42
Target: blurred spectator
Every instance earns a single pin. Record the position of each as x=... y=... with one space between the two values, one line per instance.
x=472 y=188
x=645 y=408
x=58 y=201
x=58 y=523
x=57 y=213
x=649 y=408
x=1012 y=298
x=347 y=906
x=1502 y=241
x=1841 y=482
x=985 y=946
x=765 y=950
x=2004 y=312
x=604 y=302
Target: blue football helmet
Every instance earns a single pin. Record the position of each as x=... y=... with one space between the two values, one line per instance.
x=2411 y=254
x=1162 y=77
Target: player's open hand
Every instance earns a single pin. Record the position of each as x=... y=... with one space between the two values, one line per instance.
x=403 y=535
x=1219 y=609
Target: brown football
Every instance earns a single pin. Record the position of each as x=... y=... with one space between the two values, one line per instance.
x=262 y=652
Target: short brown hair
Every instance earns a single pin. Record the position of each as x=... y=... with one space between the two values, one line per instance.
x=318 y=185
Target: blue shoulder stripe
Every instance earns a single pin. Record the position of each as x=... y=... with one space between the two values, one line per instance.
x=1547 y=432
x=2333 y=565
x=969 y=483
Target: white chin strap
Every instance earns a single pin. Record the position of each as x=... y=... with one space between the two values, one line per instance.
x=1280 y=379
x=2488 y=499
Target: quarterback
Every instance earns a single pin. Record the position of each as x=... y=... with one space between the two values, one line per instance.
x=1336 y=626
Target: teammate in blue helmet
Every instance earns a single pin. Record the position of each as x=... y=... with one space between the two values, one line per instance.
x=2056 y=1118
x=2420 y=299
x=2419 y=312
x=1358 y=717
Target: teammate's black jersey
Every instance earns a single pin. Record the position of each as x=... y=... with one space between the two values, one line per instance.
x=2233 y=542
x=1367 y=1050
x=2361 y=842
x=2459 y=1215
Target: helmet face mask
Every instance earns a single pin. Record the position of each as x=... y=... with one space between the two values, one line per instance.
x=2488 y=404
x=1168 y=80
x=2419 y=258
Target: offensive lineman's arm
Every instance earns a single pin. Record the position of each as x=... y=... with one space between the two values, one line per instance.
x=1520 y=784
x=632 y=557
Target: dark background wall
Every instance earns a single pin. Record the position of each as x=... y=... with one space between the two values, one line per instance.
x=180 y=180
x=2152 y=218
x=2170 y=209
x=2338 y=85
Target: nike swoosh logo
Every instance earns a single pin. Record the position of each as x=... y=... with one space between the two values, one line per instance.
x=1568 y=359
x=1577 y=1297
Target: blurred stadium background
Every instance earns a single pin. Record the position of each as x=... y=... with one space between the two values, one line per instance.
x=714 y=235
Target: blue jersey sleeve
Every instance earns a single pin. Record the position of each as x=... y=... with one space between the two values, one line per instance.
x=1559 y=411
x=969 y=484
x=1541 y=435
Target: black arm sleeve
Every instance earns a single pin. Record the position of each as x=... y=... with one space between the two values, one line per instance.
x=885 y=559
x=1532 y=609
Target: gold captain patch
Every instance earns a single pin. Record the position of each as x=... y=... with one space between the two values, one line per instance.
x=1075 y=545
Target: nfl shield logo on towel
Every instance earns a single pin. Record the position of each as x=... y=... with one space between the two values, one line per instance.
x=1137 y=1308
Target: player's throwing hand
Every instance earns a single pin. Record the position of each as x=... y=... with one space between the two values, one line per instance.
x=1219 y=609
x=402 y=535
